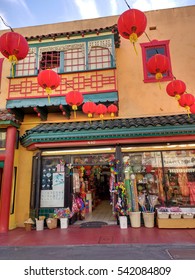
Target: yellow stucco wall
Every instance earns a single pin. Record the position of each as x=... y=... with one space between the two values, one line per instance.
x=136 y=98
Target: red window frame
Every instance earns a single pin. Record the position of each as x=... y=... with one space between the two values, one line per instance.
x=26 y=66
x=74 y=60
x=50 y=60
x=98 y=58
x=151 y=48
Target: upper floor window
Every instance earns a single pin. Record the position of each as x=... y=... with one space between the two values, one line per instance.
x=62 y=57
x=27 y=66
x=150 y=49
x=74 y=60
x=99 y=58
x=49 y=60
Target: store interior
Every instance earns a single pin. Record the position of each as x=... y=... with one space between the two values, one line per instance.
x=93 y=183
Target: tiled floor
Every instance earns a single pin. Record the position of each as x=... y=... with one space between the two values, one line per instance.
x=102 y=213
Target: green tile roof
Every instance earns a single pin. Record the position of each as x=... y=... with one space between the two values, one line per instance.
x=111 y=129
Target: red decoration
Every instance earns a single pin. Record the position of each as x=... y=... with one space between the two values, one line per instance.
x=101 y=110
x=132 y=24
x=176 y=88
x=74 y=98
x=49 y=80
x=89 y=108
x=112 y=109
x=157 y=65
x=186 y=101
x=192 y=109
x=14 y=47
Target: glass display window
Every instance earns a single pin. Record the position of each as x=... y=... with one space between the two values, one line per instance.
x=52 y=182
x=143 y=173
x=170 y=175
x=179 y=169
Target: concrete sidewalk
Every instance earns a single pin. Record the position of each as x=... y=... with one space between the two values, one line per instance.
x=105 y=243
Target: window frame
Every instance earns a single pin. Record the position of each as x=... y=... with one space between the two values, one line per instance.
x=153 y=45
x=85 y=44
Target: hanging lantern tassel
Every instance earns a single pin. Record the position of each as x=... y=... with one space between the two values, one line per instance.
x=102 y=117
x=48 y=91
x=74 y=108
x=158 y=77
x=133 y=39
x=13 y=59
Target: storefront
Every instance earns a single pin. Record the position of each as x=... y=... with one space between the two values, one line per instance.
x=91 y=174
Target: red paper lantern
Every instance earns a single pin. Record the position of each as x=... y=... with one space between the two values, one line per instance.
x=49 y=80
x=192 y=108
x=132 y=24
x=112 y=109
x=186 y=101
x=74 y=98
x=101 y=110
x=89 y=108
x=157 y=65
x=13 y=46
x=176 y=88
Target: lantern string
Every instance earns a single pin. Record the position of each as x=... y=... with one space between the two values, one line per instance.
x=127 y=4
x=4 y=22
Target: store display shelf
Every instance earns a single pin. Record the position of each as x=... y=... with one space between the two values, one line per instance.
x=176 y=223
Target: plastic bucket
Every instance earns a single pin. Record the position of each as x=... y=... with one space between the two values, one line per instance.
x=123 y=221
x=63 y=222
x=148 y=219
x=39 y=224
x=135 y=219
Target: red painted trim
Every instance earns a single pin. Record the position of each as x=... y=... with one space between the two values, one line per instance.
x=145 y=140
x=2 y=156
x=59 y=95
x=6 y=186
x=152 y=45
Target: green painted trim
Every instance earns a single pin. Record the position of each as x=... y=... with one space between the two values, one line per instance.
x=1 y=164
x=56 y=101
x=104 y=133
x=9 y=123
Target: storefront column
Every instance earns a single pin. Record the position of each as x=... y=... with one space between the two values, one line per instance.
x=6 y=186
